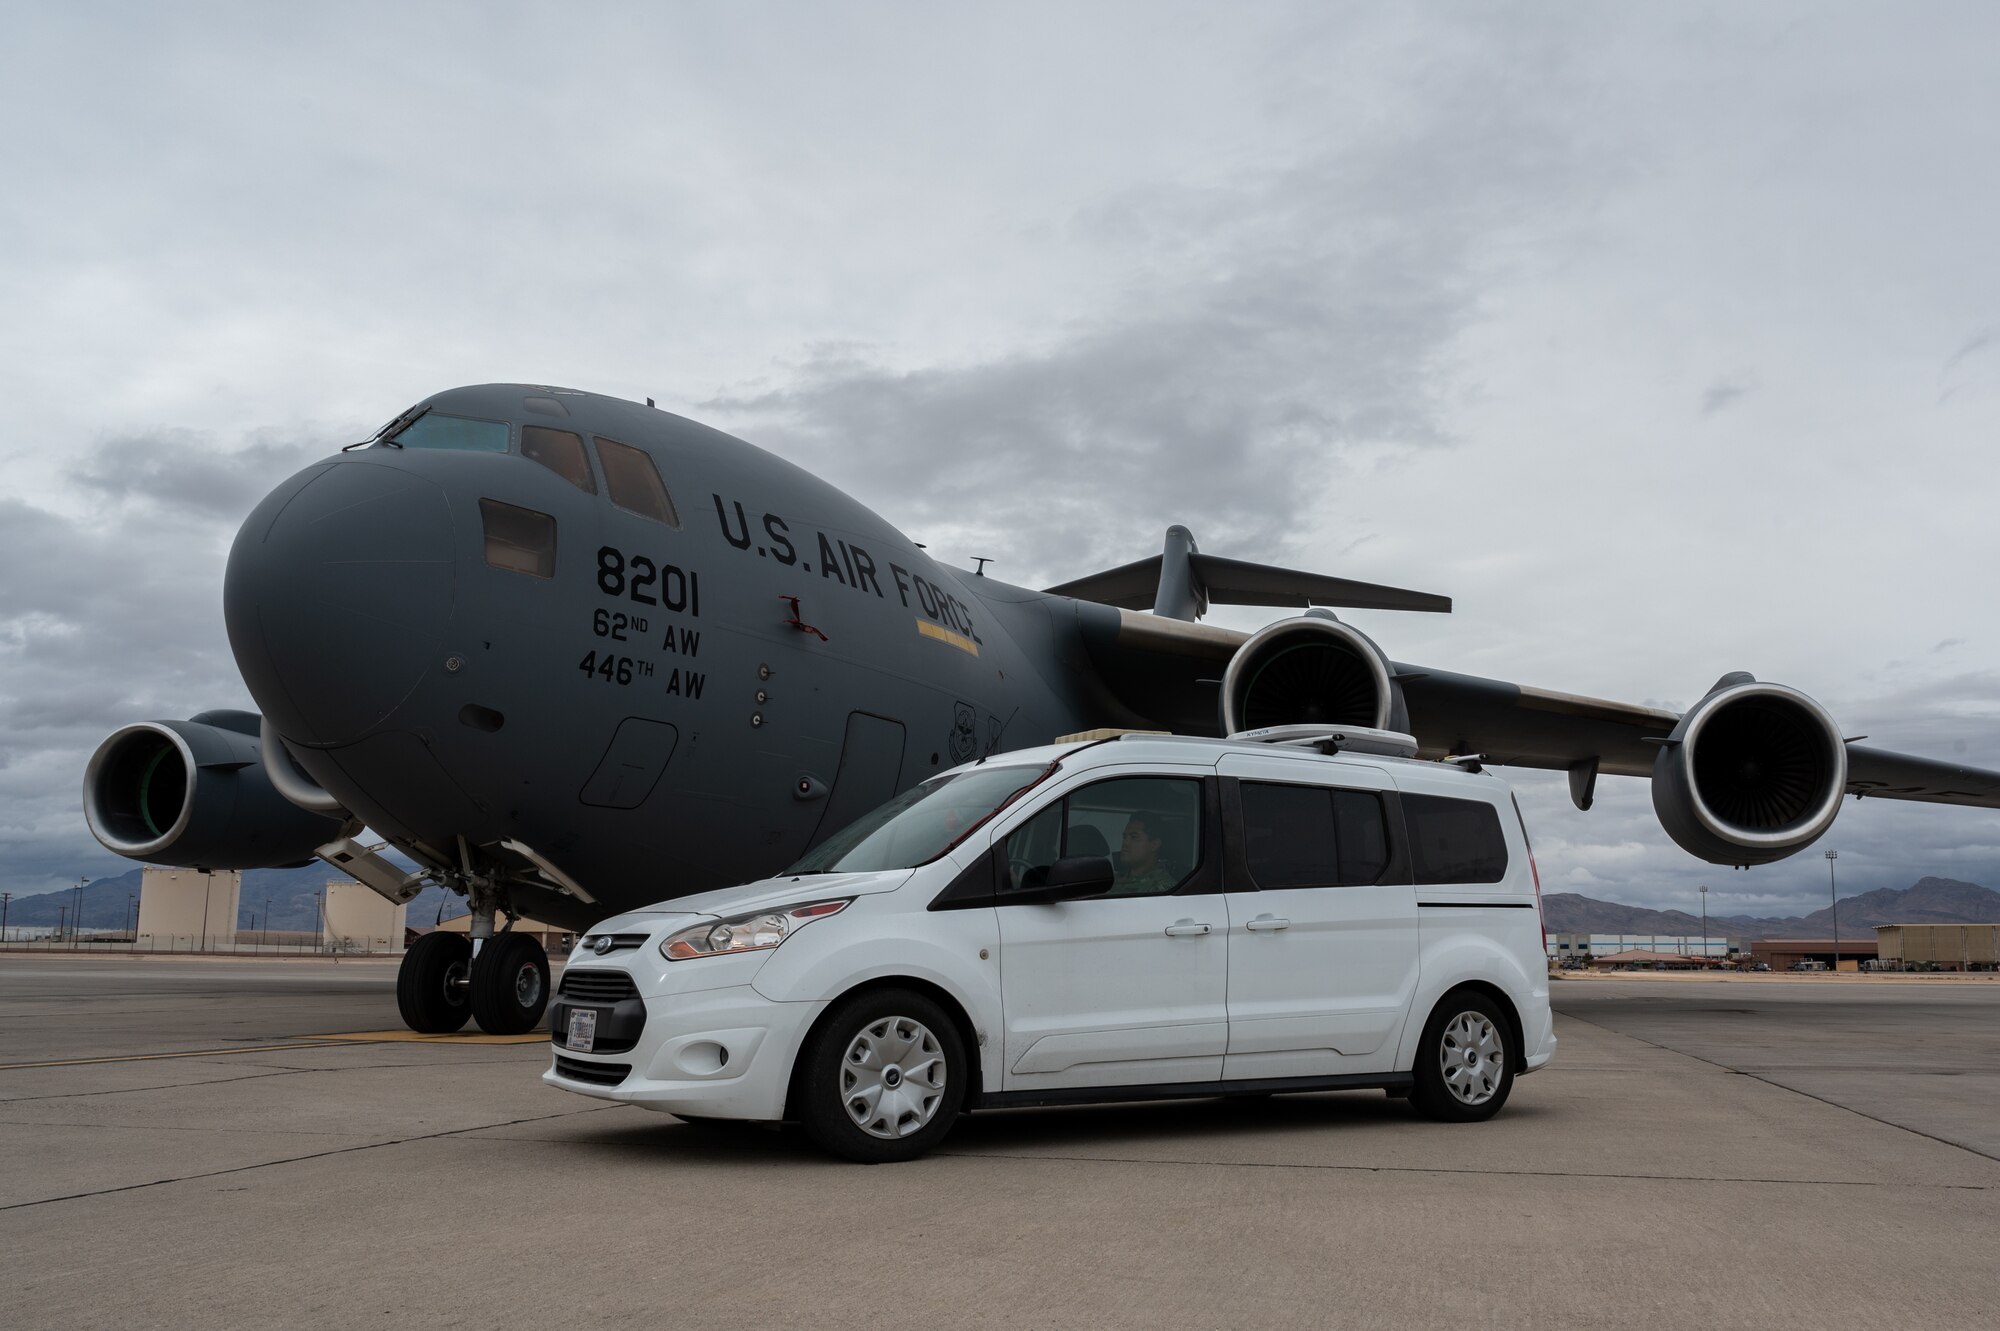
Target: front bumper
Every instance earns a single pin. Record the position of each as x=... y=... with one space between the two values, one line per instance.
x=714 y=1053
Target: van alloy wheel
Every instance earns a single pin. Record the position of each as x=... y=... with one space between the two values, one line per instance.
x=1466 y=1060
x=893 y=1078
x=882 y=1076
x=1472 y=1056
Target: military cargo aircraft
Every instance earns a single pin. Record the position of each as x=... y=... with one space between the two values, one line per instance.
x=572 y=655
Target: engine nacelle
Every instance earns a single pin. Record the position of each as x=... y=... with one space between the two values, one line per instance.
x=1311 y=669
x=196 y=794
x=1753 y=773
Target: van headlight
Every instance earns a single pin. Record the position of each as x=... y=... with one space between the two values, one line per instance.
x=755 y=932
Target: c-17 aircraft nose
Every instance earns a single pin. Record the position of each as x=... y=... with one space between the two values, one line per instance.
x=338 y=594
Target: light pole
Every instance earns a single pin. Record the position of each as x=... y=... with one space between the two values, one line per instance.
x=1704 y=921
x=265 y=935
x=76 y=920
x=1834 y=898
x=5 y=897
x=62 y=919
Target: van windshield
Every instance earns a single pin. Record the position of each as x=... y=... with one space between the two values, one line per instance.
x=922 y=823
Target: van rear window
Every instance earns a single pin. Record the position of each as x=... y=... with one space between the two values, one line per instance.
x=1454 y=841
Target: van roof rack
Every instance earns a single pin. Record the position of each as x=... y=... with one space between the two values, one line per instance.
x=1333 y=739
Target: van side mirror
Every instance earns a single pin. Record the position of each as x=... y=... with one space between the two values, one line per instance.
x=1065 y=880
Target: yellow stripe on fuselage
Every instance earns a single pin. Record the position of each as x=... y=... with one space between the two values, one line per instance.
x=945 y=635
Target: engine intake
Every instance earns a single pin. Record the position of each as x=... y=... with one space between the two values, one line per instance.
x=1753 y=773
x=1311 y=669
x=196 y=794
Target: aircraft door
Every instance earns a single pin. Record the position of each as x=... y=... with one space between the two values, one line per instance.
x=871 y=770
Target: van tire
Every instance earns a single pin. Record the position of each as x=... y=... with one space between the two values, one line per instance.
x=856 y=1060
x=1466 y=1060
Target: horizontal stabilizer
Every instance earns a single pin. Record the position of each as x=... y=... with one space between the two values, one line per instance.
x=1237 y=582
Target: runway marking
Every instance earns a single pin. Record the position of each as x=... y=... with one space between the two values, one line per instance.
x=415 y=1037
x=186 y=1053
x=305 y=1042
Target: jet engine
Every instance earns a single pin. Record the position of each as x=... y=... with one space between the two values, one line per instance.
x=1753 y=773
x=196 y=794
x=1311 y=669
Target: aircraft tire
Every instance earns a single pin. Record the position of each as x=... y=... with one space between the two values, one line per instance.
x=430 y=1003
x=510 y=984
x=856 y=1060
x=1465 y=1064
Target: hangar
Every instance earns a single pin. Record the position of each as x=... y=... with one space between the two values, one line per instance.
x=1945 y=947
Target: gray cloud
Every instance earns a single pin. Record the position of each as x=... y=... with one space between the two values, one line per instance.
x=1722 y=395
x=111 y=618
x=189 y=473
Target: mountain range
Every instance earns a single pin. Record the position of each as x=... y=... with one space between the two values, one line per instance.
x=1927 y=901
x=292 y=894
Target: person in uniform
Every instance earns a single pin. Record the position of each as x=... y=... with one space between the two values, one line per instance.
x=1139 y=870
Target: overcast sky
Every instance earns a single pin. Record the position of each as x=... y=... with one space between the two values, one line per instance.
x=1666 y=339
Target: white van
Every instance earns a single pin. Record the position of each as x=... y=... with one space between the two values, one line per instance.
x=1140 y=917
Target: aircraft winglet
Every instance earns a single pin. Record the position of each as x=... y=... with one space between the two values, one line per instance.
x=1181 y=583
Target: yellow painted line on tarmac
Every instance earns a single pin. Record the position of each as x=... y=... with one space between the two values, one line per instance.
x=415 y=1037
x=187 y=1053
x=303 y=1042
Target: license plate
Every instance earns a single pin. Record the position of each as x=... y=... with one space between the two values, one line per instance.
x=582 y=1029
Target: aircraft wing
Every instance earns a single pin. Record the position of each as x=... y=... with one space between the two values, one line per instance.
x=1879 y=774
x=1169 y=671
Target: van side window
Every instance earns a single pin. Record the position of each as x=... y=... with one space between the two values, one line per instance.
x=1362 y=834
x=1288 y=836
x=1309 y=836
x=1148 y=827
x=1454 y=841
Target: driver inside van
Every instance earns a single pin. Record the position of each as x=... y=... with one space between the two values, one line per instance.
x=1138 y=869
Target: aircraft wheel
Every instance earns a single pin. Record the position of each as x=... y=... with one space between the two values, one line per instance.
x=430 y=990
x=1465 y=1065
x=882 y=1078
x=510 y=984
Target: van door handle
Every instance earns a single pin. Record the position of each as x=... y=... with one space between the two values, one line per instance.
x=1186 y=929
x=1263 y=922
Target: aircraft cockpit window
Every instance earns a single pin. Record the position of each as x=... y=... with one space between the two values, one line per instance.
x=519 y=539
x=432 y=430
x=561 y=452
x=635 y=482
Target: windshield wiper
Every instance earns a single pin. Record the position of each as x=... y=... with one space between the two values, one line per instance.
x=396 y=426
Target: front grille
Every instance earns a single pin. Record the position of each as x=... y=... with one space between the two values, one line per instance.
x=619 y=943
x=597 y=1074
x=589 y=986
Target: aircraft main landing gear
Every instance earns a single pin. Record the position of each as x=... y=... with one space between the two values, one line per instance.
x=500 y=980
x=431 y=984
x=510 y=984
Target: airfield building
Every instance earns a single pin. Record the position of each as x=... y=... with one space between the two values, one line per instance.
x=1943 y=947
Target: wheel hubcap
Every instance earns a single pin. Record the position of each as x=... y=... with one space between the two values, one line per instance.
x=1472 y=1057
x=528 y=985
x=892 y=1078
x=455 y=977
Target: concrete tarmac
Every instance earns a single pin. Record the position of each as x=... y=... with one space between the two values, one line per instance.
x=175 y=1149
